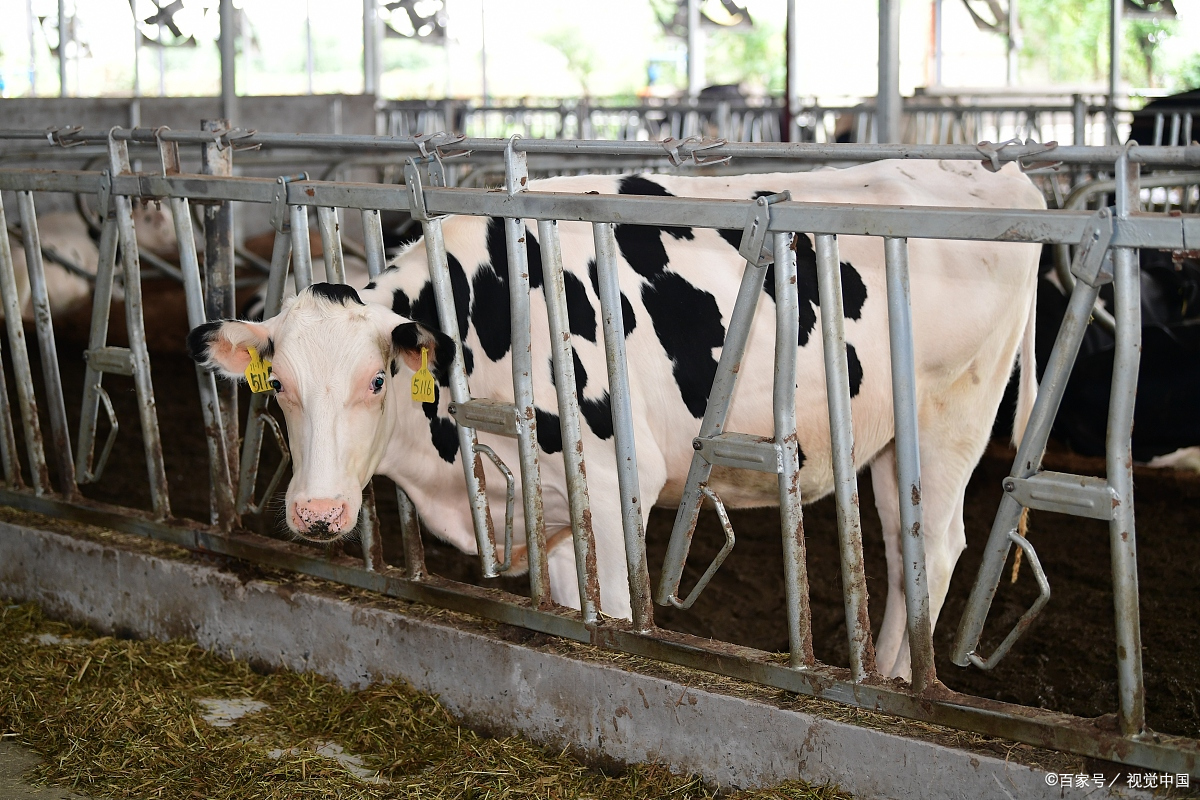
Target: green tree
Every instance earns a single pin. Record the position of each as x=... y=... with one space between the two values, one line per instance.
x=754 y=56
x=580 y=56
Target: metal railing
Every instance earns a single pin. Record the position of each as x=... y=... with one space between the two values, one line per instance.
x=1106 y=241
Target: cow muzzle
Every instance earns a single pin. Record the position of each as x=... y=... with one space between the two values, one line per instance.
x=322 y=520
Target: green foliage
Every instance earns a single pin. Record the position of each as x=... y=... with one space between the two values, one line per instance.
x=754 y=57
x=581 y=56
x=1186 y=75
x=1069 y=40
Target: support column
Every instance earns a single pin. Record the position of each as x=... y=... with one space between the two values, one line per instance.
x=1114 y=70
x=791 y=130
x=370 y=47
x=228 y=62
x=887 y=98
x=695 y=49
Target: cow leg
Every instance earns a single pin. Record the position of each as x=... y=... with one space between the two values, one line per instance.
x=892 y=634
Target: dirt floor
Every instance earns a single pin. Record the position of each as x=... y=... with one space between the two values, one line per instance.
x=1066 y=662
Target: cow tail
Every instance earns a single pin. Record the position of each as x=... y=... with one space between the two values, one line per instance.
x=1027 y=389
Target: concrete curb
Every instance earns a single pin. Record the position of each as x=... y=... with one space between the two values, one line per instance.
x=559 y=701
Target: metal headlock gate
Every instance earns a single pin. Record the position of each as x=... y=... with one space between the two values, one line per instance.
x=1106 y=251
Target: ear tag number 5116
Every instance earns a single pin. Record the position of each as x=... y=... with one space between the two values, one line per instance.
x=422 y=380
x=258 y=372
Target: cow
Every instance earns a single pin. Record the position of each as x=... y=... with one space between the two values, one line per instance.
x=69 y=236
x=342 y=362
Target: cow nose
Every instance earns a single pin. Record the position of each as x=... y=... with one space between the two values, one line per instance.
x=321 y=519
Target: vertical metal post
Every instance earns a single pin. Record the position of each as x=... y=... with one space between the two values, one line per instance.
x=139 y=355
x=331 y=244
x=1114 y=70
x=227 y=44
x=1013 y=43
x=887 y=97
x=64 y=33
x=516 y=178
x=793 y=73
x=29 y=28
x=562 y=359
x=791 y=513
x=439 y=272
x=308 y=44
x=301 y=248
x=695 y=49
x=841 y=435
x=22 y=373
x=620 y=396
x=373 y=241
x=40 y=299
x=410 y=531
x=938 y=52
x=370 y=47
x=908 y=463
x=713 y=424
x=137 y=53
x=252 y=443
x=219 y=301
x=1119 y=455
x=98 y=336
x=483 y=54
x=223 y=511
x=8 y=438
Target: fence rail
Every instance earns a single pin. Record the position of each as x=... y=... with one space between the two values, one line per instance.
x=1095 y=233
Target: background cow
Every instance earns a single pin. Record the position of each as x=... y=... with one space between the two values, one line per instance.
x=343 y=361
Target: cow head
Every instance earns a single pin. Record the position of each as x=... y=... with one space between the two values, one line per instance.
x=338 y=369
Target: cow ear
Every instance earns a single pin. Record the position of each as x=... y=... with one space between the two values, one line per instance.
x=224 y=345
x=409 y=338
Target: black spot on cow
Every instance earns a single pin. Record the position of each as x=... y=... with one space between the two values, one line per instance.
x=628 y=319
x=199 y=338
x=336 y=293
x=394 y=367
x=412 y=337
x=854 y=367
x=370 y=285
x=442 y=432
x=401 y=304
x=597 y=413
x=581 y=317
x=533 y=252
x=549 y=434
x=490 y=311
x=268 y=352
x=424 y=308
x=688 y=323
x=641 y=245
x=732 y=237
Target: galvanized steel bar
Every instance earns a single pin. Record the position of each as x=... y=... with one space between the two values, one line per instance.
x=562 y=359
x=368 y=531
x=621 y=400
x=1028 y=462
x=443 y=292
x=713 y=423
x=301 y=248
x=22 y=373
x=93 y=390
x=139 y=355
x=331 y=244
x=224 y=514
x=516 y=178
x=8 y=438
x=845 y=479
x=410 y=531
x=783 y=400
x=219 y=300
x=908 y=464
x=373 y=240
x=252 y=442
x=805 y=151
x=40 y=300
x=1119 y=456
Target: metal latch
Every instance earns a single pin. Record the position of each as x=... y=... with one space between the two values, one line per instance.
x=1063 y=493
x=280 y=217
x=754 y=236
x=487 y=415
x=1093 y=260
x=740 y=451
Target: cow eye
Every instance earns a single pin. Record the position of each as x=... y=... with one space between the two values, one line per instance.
x=377 y=383
x=276 y=385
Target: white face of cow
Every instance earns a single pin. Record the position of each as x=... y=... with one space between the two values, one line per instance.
x=334 y=367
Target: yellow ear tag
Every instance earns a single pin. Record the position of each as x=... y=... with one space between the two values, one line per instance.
x=258 y=373
x=422 y=381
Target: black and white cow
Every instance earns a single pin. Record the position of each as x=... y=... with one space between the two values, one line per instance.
x=343 y=360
